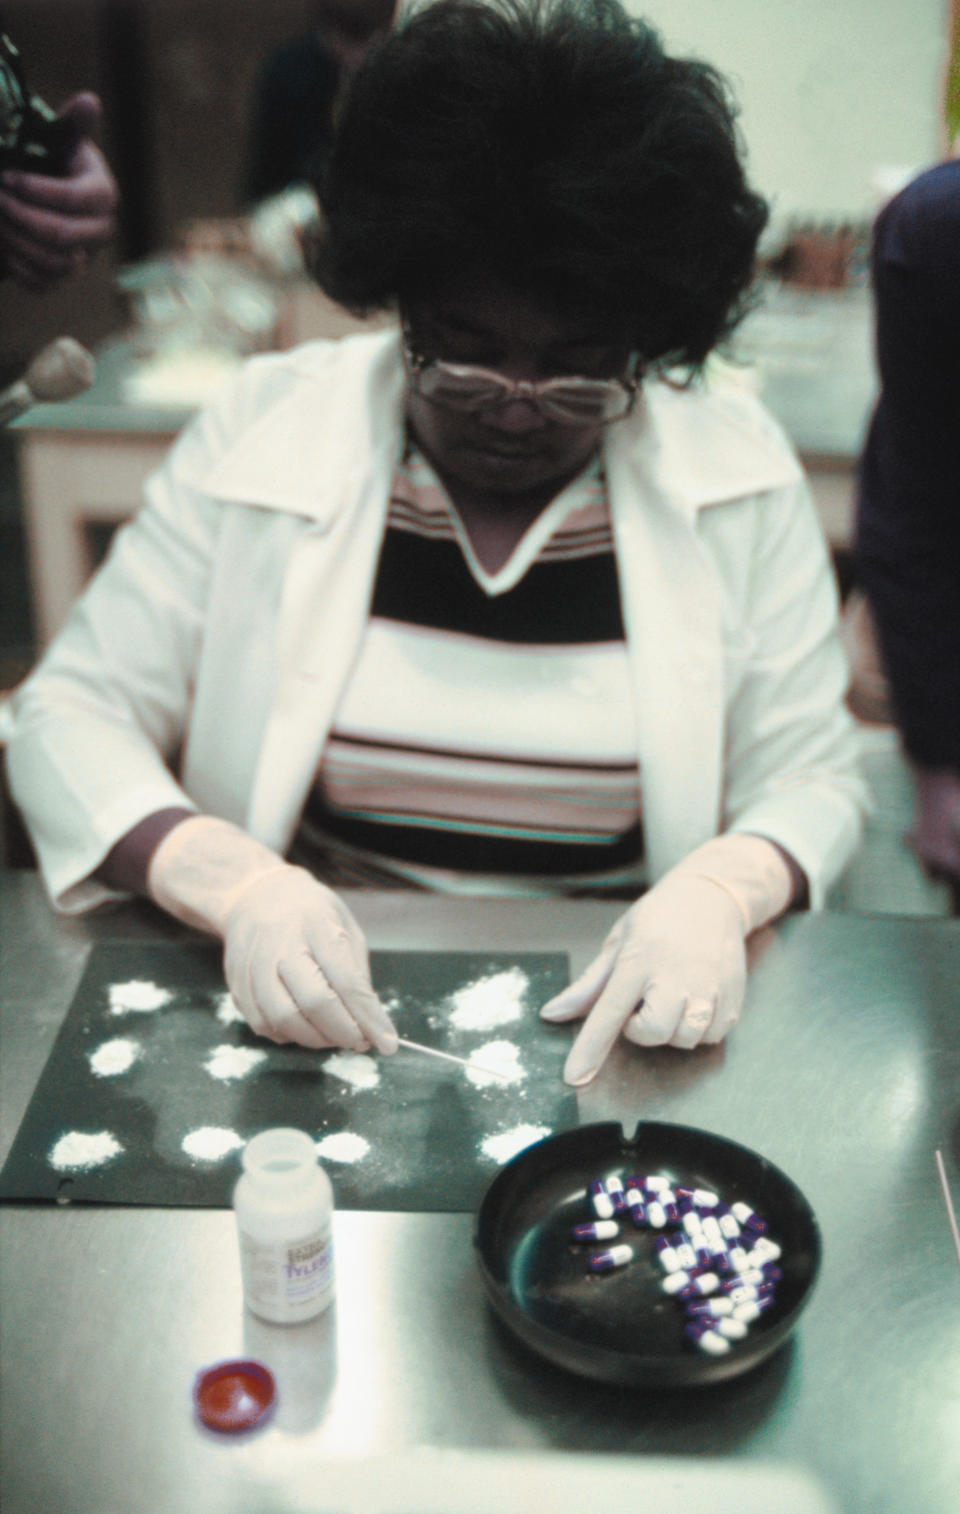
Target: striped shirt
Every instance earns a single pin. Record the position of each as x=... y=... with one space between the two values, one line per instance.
x=486 y=739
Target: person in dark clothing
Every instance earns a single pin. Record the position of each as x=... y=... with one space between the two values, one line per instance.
x=297 y=91
x=908 y=528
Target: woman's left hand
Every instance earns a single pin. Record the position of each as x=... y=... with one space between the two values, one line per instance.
x=672 y=971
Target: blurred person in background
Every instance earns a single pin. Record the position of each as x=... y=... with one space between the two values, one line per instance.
x=908 y=524
x=509 y=599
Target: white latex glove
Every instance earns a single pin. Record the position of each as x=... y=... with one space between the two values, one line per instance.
x=673 y=968
x=295 y=958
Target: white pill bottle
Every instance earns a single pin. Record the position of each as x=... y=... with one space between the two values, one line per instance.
x=284 y=1208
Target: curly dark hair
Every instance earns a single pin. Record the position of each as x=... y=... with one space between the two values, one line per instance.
x=556 y=145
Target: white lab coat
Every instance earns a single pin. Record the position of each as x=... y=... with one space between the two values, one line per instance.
x=204 y=663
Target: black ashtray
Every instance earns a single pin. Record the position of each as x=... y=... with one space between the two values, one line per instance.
x=620 y=1326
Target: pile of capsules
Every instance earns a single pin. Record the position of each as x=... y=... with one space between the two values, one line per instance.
x=717 y=1259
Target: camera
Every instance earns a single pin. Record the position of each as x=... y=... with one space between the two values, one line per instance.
x=31 y=136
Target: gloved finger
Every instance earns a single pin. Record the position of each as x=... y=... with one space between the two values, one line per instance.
x=344 y=965
x=318 y=1004
x=574 y=1000
x=694 y=1023
x=727 y=1012
x=658 y=1014
x=282 y=1019
x=602 y=1026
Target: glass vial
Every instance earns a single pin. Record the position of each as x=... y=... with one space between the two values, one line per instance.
x=284 y=1208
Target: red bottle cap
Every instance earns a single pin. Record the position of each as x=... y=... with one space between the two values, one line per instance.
x=234 y=1396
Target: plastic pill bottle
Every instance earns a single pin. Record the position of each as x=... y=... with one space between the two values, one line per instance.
x=284 y=1208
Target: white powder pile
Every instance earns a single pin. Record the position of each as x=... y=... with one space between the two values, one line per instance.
x=137 y=997
x=490 y=1002
x=77 y=1151
x=354 y=1068
x=227 y=1012
x=506 y=1144
x=114 y=1057
x=502 y=1058
x=229 y=1063
x=211 y=1142
x=343 y=1146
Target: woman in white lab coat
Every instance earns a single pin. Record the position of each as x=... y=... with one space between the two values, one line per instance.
x=484 y=603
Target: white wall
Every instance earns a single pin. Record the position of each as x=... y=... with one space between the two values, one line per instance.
x=831 y=90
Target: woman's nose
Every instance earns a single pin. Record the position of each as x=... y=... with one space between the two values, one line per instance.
x=516 y=416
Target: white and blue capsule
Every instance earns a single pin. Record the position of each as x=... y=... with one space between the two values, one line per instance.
x=748 y=1218
x=596 y=1230
x=601 y=1200
x=669 y=1260
x=701 y=1283
x=606 y=1261
x=615 y=1190
x=635 y=1203
x=706 y=1338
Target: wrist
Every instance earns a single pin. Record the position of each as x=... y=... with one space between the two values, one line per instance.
x=752 y=870
x=202 y=868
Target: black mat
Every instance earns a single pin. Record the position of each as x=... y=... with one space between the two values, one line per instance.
x=167 y=1128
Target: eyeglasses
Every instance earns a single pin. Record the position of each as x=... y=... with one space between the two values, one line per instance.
x=571 y=401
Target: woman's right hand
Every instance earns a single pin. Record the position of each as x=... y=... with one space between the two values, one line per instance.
x=296 y=964
x=295 y=958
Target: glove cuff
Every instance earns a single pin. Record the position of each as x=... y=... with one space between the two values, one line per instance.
x=750 y=869
x=201 y=868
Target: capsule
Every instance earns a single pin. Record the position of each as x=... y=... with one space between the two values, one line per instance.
x=601 y=1200
x=605 y=1261
x=703 y=1282
x=684 y=1250
x=765 y=1250
x=615 y=1190
x=715 y=1306
x=751 y=1294
x=596 y=1230
x=692 y=1224
x=728 y=1222
x=654 y=1184
x=704 y=1199
x=739 y=1259
x=712 y=1231
x=732 y=1328
x=751 y=1309
x=634 y=1198
x=669 y=1260
x=748 y=1218
x=676 y=1282
x=706 y=1339
x=703 y=1254
x=656 y=1214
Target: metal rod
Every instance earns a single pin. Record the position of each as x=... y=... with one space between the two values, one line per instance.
x=949 y=1203
x=447 y=1056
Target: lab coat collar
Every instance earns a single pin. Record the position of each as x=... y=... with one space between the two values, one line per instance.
x=342 y=415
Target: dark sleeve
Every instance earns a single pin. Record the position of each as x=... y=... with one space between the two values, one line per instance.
x=908 y=526
x=125 y=865
x=291 y=118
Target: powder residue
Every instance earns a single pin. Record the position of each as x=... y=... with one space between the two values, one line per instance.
x=343 y=1146
x=490 y=1002
x=227 y=1011
x=502 y=1058
x=354 y=1068
x=79 y=1150
x=228 y=1063
x=137 y=997
x=506 y=1143
x=114 y=1057
x=210 y=1143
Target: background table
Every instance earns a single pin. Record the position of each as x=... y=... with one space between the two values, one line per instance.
x=845 y=1071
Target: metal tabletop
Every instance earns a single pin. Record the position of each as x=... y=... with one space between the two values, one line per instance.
x=845 y=1071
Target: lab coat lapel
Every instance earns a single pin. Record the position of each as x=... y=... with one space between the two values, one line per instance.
x=344 y=465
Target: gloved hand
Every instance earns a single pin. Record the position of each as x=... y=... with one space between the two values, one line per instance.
x=673 y=968
x=295 y=958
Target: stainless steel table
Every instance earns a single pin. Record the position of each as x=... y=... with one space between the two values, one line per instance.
x=845 y=1071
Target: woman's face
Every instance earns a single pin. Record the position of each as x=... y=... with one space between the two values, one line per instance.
x=510 y=450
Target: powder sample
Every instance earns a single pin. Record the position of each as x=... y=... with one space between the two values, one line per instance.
x=113 y=1057
x=490 y=1002
x=211 y=1142
x=343 y=1146
x=354 y=1068
x=138 y=997
x=227 y=1012
x=229 y=1063
x=78 y=1150
x=506 y=1144
x=503 y=1060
